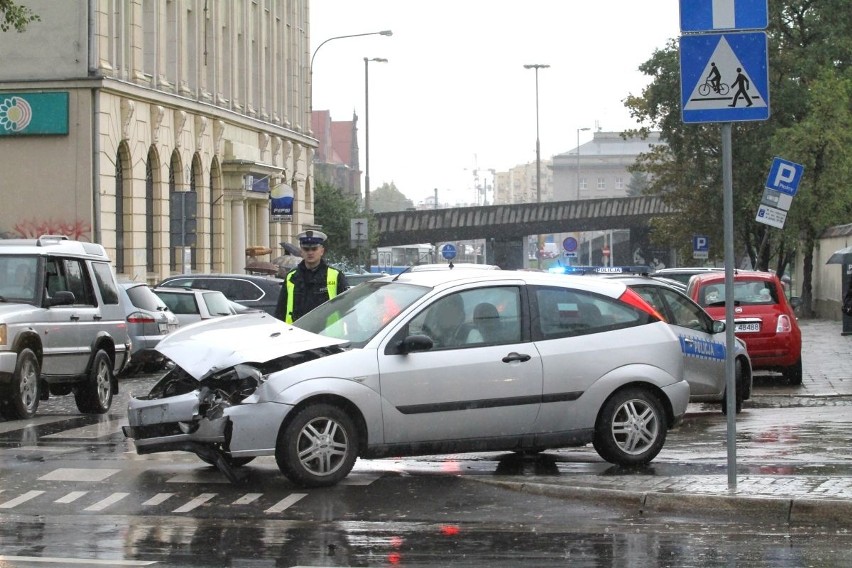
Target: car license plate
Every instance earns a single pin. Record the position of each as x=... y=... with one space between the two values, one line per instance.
x=750 y=327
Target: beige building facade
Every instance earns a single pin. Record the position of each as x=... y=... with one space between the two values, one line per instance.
x=108 y=108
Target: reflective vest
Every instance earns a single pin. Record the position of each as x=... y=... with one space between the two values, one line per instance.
x=330 y=284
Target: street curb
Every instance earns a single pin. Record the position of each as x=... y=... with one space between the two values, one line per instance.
x=803 y=511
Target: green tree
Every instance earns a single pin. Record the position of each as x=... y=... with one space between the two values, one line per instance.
x=810 y=49
x=334 y=210
x=388 y=198
x=13 y=15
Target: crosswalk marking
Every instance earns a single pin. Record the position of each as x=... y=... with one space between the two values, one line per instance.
x=68 y=561
x=78 y=474
x=13 y=425
x=90 y=432
x=158 y=498
x=197 y=502
x=104 y=503
x=71 y=497
x=248 y=498
x=22 y=499
x=286 y=502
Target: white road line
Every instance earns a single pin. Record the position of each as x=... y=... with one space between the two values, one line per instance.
x=248 y=498
x=78 y=474
x=285 y=502
x=22 y=499
x=84 y=561
x=71 y=497
x=158 y=498
x=90 y=432
x=197 y=502
x=104 y=503
x=13 y=425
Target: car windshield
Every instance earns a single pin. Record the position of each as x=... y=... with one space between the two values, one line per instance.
x=746 y=293
x=360 y=313
x=18 y=279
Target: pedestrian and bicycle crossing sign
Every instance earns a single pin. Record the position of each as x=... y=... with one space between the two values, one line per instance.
x=724 y=77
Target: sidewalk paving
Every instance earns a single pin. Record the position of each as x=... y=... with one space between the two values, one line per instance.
x=820 y=497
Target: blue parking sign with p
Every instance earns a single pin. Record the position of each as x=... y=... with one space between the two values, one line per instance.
x=784 y=176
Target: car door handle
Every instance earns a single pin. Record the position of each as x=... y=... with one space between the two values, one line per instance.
x=75 y=317
x=515 y=356
x=98 y=317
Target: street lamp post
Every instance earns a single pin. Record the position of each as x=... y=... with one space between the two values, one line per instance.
x=578 y=160
x=382 y=33
x=537 y=66
x=367 y=129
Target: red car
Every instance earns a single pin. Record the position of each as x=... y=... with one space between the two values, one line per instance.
x=763 y=318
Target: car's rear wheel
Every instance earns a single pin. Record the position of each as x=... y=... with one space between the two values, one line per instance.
x=738 y=380
x=94 y=396
x=318 y=447
x=631 y=428
x=23 y=396
x=793 y=373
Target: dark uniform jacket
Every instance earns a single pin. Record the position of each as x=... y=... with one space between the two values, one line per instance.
x=309 y=290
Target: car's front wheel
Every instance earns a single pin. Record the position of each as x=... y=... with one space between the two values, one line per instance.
x=631 y=428
x=318 y=447
x=94 y=395
x=23 y=397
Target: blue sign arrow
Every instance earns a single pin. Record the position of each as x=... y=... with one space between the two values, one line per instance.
x=724 y=77
x=716 y=15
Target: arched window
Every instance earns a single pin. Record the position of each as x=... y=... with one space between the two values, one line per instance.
x=150 y=166
x=122 y=200
x=174 y=174
x=119 y=214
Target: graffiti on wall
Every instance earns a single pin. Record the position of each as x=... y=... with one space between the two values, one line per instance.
x=77 y=229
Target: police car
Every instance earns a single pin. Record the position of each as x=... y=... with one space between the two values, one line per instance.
x=702 y=339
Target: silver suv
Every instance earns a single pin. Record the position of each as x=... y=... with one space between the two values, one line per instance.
x=62 y=327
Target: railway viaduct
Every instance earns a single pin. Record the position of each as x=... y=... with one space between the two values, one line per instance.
x=506 y=227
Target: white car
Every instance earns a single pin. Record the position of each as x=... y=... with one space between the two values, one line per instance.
x=193 y=305
x=422 y=363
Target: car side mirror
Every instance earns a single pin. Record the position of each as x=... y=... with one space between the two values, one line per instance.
x=63 y=298
x=718 y=326
x=414 y=343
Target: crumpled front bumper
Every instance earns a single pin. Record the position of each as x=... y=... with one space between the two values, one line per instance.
x=175 y=424
x=164 y=425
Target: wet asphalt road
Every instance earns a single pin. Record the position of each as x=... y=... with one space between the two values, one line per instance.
x=99 y=501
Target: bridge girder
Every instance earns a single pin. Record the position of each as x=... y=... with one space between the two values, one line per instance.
x=517 y=221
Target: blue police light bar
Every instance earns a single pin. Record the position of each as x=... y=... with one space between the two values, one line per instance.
x=579 y=270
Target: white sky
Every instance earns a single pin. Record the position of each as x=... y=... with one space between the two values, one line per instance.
x=454 y=95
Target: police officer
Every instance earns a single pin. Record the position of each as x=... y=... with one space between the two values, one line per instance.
x=311 y=283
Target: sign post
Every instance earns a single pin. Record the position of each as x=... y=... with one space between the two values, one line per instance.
x=724 y=77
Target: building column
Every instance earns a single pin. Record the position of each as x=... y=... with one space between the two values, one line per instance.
x=238 y=236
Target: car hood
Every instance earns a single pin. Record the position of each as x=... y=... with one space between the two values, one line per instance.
x=219 y=343
x=8 y=309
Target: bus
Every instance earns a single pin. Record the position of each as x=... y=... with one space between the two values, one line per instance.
x=393 y=260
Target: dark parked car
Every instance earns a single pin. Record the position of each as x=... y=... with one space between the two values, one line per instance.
x=249 y=290
x=149 y=319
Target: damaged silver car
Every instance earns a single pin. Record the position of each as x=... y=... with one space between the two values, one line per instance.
x=421 y=363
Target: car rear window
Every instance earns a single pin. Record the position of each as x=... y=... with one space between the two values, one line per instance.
x=143 y=298
x=746 y=293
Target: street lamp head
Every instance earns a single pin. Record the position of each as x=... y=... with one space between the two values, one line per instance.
x=376 y=59
x=536 y=66
x=386 y=33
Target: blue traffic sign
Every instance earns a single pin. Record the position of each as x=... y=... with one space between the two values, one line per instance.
x=448 y=251
x=700 y=243
x=717 y=15
x=724 y=77
x=569 y=244
x=784 y=176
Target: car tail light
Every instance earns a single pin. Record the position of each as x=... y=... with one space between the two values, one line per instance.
x=139 y=317
x=784 y=325
x=631 y=298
